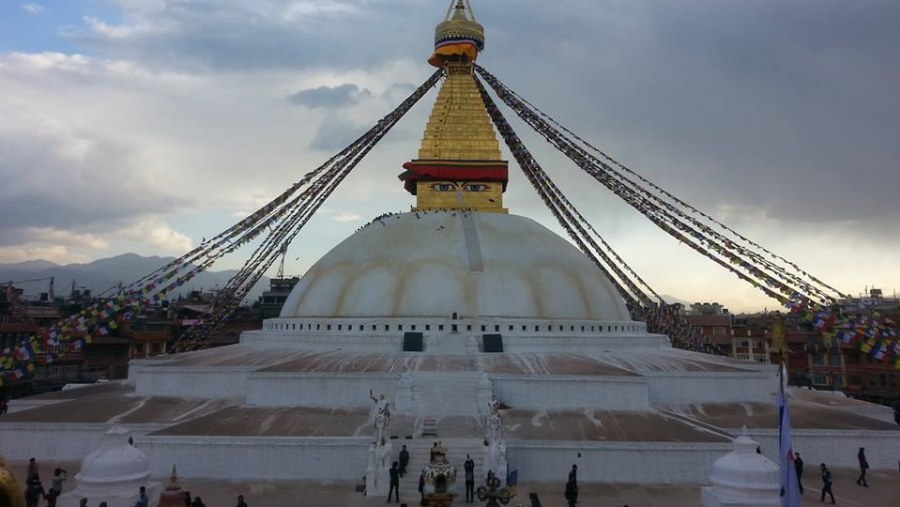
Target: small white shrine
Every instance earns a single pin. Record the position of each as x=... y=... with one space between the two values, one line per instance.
x=743 y=478
x=113 y=473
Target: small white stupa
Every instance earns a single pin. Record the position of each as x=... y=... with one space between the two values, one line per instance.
x=743 y=478
x=112 y=473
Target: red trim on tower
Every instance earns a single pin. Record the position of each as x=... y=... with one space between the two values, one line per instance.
x=457 y=170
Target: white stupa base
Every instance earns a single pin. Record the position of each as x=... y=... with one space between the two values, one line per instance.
x=112 y=497
x=712 y=498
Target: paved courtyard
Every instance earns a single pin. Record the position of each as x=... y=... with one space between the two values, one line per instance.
x=884 y=492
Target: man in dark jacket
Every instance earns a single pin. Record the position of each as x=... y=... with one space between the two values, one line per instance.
x=863 y=466
x=395 y=482
x=798 y=466
x=826 y=483
x=404 y=460
x=469 y=467
x=571 y=492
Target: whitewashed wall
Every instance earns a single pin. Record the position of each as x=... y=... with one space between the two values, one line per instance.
x=275 y=389
x=192 y=383
x=621 y=462
x=572 y=392
x=57 y=441
x=255 y=458
x=835 y=448
x=680 y=388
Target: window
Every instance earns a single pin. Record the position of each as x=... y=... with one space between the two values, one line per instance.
x=496 y=328
x=440 y=327
x=413 y=327
x=510 y=328
x=468 y=327
x=427 y=327
x=719 y=330
x=834 y=360
x=483 y=328
x=817 y=359
x=387 y=327
x=399 y=327
x=838 y=380
x=819 y=378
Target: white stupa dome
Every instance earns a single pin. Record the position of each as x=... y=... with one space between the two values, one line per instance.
x=438 y=263
x=114 y=460
x=743 y=477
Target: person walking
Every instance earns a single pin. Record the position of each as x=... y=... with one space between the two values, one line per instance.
x=573 y=474
x=394 y=473
x=798 y=466
x=404 y=460
x=59 y=476
x=241 y=502
x=469 y=467
x=571 y=493
x=826 y=483
x=32 y=469
x=143 y=501
x=422 y=488
x=534 y=500
x=863 y=466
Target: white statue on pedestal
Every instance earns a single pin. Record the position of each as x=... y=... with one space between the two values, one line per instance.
x=495 y=447
x=495 y=459
x=494 y=423
x=381 y=419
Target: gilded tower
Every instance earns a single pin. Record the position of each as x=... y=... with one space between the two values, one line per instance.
x=459 y=164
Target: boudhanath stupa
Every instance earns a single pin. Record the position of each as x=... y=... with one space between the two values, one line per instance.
x=457 y=322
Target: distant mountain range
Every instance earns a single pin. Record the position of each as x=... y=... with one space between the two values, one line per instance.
x=101 y=274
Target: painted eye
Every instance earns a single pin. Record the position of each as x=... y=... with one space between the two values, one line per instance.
x=442 y=187
x=476 y=187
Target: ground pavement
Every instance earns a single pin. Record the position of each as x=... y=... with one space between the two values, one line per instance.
x=883 y=492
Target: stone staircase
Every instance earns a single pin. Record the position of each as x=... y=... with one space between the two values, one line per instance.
x=438 y=394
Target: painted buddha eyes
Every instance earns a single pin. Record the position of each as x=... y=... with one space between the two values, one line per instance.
x=450 y=187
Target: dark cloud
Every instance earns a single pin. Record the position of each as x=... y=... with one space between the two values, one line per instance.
x=335 y=133
x=788 y=107
x=70 y=181
x=328 y=96
x=264 y=34
x=775 y=106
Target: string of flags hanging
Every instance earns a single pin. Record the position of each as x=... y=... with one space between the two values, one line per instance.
x=276 y=224
x=826 y=308
x=841 y=319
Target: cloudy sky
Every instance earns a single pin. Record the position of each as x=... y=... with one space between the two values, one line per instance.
x=146 y=125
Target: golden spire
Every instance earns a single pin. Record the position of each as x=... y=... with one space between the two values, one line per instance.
x=459 y=164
